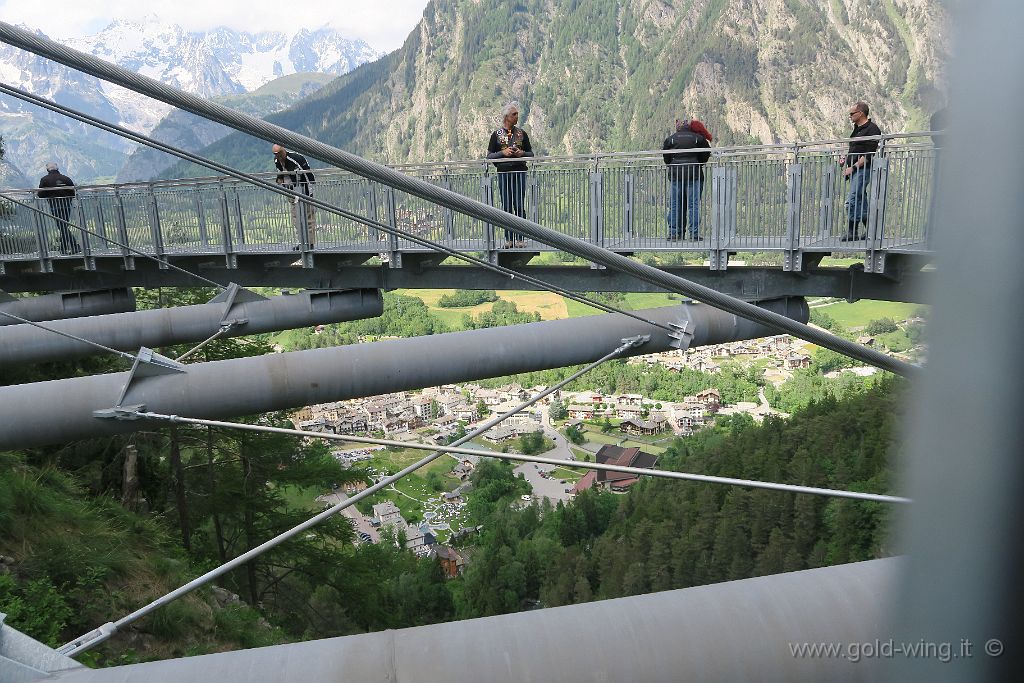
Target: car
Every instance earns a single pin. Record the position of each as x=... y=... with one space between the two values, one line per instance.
x=568 y=490
x=561 y=481
x=525 y=497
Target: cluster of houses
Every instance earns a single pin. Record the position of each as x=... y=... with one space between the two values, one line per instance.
x=782 y=350
x=441 y=408
x=641 y=417
x=419 y=538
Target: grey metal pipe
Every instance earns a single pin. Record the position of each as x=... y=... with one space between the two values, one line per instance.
x=63 y=410
x=250 y=313
x=64 y=305
x=737 y=631
x=26 y=40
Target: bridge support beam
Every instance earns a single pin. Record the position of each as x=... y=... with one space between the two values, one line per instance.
x=236 y=311
x=66 y=305
x=63 y=410
x=749 y=630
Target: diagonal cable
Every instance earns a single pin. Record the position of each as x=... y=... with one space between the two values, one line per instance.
x=70 y=336
x=105 y=631
x=223 y=329
x=150 y=87
x=273 y=187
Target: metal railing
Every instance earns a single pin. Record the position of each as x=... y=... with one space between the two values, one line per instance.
x=788 y=199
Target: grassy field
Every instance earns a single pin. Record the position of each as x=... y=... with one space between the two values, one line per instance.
x=634 y=301
x=862 y=312
x=549 y=306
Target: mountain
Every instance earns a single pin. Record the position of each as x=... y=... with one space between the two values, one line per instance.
x=614 y=76
x=190 y=132
x=212 y=64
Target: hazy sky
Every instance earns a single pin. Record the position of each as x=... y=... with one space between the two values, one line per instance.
x=384 y=24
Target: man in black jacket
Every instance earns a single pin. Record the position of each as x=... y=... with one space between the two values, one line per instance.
x=59 y=190
x=685 y=175
x=857 y=167
x=295 y=174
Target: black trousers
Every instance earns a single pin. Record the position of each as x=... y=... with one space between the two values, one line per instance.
x=60 y=207
x=512 y=187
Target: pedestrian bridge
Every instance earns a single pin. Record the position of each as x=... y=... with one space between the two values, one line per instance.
x=769 y=215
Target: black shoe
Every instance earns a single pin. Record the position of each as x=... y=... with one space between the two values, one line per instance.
x=847 y=238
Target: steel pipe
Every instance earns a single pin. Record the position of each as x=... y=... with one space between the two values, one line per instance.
x=63 y=410
x=749 y=630
x=241 y=311
x=64 y=305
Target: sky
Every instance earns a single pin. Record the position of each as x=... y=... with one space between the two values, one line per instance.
x=384 y=24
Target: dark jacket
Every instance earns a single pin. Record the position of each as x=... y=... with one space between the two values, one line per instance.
x=502 y=139
x=686 y=139
x=55 y=185
x=295 y=171
x=859 y=148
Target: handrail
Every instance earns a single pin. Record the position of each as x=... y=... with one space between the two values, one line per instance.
x=544 y=160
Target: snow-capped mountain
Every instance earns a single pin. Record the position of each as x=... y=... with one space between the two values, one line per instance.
x=211 y=64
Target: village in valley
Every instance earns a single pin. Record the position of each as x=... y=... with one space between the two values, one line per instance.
x=427 y=512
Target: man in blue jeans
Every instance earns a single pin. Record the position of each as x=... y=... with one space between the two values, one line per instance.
x=857 y=167
x=685 y=176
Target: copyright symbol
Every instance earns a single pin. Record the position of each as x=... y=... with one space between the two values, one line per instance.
x=993 y=647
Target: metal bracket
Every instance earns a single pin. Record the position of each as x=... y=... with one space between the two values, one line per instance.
x=148 y=363
x=231 y=296
x=97 y=634
x=634 y=342
x=682 y=336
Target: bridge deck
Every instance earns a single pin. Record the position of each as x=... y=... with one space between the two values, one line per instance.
x=789 y=201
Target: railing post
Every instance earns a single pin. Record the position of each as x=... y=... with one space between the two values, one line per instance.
x=487 y=197
x=87 y=257
x=204 y=237
x=395 y=256
x=122 y=230
x=302 y=224
x=596 y=193
x=628 y=189
x=230 y=257
x=534 y=184
x=827 y=195
x=449 y=215
x=154 y=227
x=793 y=256
x=874 y=260
x=239 y=216
x=372 y=205
x=723 y=202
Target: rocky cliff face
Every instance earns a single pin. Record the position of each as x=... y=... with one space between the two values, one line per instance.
x=613 y=76
x=218 y=63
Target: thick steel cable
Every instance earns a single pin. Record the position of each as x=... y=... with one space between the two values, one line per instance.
x=668 y=474
x=68 y=335
x=105 y=631
x=446 y=198
x=223 y=329
x=111 y=240
x=273 y=187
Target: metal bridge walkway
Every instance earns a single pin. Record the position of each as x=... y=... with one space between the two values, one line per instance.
x=781 y=206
